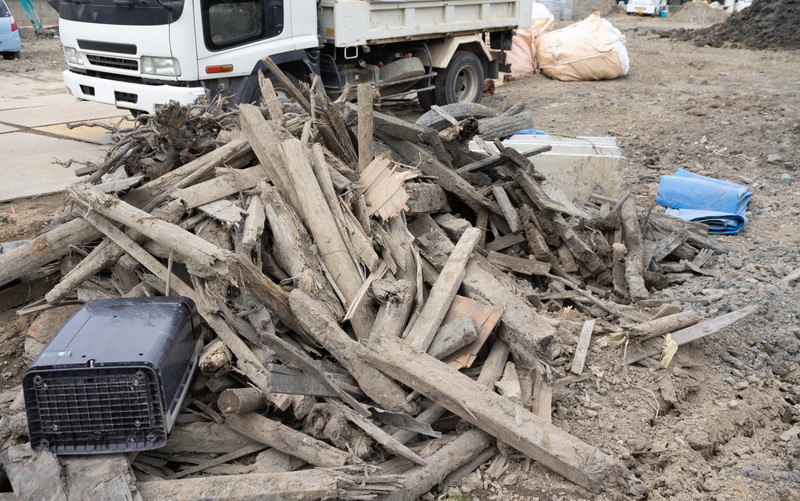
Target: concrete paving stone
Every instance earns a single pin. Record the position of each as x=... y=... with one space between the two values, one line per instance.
x=68 y=110
x=27 y=168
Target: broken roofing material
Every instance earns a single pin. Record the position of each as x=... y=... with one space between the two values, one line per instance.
x=720 y=205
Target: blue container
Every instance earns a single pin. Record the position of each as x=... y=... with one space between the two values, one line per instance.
x=663 y=13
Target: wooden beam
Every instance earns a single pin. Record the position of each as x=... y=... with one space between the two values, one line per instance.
x=287 y=440
x=563 y=453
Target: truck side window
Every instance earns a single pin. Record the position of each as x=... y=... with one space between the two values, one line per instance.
x=228 y=23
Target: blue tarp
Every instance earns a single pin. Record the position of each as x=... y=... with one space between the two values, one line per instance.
x=719 y=204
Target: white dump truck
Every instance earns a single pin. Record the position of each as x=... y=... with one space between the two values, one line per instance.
x=139 y=54
x=646 y=7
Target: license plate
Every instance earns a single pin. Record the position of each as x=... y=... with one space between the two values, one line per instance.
x=640 y=11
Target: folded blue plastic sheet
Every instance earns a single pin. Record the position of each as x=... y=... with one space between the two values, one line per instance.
x=719 y=204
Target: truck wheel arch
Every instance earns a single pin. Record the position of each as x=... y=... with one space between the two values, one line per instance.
x=442 y=51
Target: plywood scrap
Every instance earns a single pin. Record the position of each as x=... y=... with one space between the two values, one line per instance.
x=485 y=318
x=383 y=187
x=453 y=336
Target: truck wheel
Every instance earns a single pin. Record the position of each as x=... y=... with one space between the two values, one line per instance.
x=461 y=81
x=459 y=111
x=400 y=70
x=280 y=90
x=504 y=126
x=10 y=55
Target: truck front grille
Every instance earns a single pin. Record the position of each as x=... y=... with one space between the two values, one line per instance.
x=113 y=62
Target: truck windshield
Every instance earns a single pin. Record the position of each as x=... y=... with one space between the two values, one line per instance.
x=125 y=12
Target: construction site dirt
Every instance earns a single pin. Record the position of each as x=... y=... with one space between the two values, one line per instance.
x=722 y=421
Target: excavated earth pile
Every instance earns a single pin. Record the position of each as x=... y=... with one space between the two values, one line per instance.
x=763 y=25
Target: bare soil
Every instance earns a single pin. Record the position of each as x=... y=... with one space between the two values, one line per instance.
x=708 y=427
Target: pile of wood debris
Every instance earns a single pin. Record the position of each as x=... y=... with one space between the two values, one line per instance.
x=347 y=333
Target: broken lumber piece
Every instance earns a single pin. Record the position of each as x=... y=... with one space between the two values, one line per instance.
x=366 y=135
x=424 y=198
x=294 y=250
x=240 y=400
x=563 y=453
x=441 y=463
x=634 y=260
x=528 y=334
x=517 y=264
x=244 y=451
x=391 y=444
x=509 y=212
x=287 y=440
x=664 y=325
x=453 y=336
x=491 y=371
x=216 y=439
x=254 y=226
x=326 y=331
x=34 y=475
x=339 y=483
x=235 y=181
x=446 y=177
x=583 y=347
x=443 y=291
x=216 y=359
x=697 y=331
x=321 y=225
x=397 y=300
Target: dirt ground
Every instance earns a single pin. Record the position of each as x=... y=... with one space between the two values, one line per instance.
x=708 y=427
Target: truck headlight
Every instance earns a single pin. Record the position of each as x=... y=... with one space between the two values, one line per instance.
x=162 y=66
x=73 y=56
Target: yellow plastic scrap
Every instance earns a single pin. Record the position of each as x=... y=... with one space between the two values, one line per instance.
x=618 y=338
x=670 y=349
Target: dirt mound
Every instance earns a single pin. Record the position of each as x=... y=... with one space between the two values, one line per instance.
x=698 y=13
x=766 y=24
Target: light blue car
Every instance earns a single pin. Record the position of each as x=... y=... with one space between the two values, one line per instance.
x=10 y=44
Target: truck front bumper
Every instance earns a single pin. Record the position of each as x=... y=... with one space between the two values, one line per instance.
x=132 y=96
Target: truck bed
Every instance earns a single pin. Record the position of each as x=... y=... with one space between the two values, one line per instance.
x=347 y=23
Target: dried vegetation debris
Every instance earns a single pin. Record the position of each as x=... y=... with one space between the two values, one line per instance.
x=302 y=260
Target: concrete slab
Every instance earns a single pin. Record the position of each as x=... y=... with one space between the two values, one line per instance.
x=96 y=135
x=28 y=167
x=22 y=102
x=69 y=110
x=6 y=128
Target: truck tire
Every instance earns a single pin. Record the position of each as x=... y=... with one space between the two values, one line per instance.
x=461 y=81
x=10 y=55
x=459 y=111
x=401 y=69
x=504 y=126
x=255 y=97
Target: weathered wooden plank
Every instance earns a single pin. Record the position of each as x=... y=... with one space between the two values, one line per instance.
x=32 y=475
x=287 y=440
x=107 y=476
x=518 y=264
x=583 y=347
x=443 y=292
x=509 y=212
x=366 y=147
x=235 y=181
x=504 y=242
x=453 y=336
